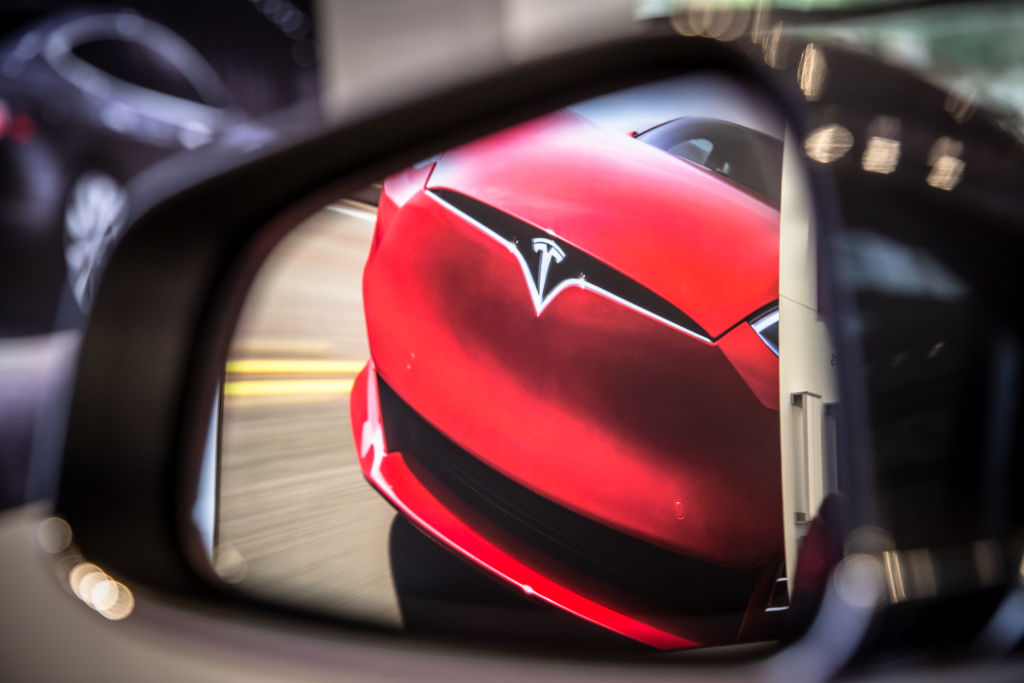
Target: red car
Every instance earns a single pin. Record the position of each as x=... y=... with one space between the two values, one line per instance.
x=574 y=374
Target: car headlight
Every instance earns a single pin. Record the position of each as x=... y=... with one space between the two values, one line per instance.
x=767 y=327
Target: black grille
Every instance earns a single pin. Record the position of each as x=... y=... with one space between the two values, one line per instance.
x=661 y=578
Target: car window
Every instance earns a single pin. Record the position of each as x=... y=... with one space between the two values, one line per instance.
x=696 y=150
x=139 y=65
x=750 y=158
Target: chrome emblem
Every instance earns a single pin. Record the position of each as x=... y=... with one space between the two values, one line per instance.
x=548 y=250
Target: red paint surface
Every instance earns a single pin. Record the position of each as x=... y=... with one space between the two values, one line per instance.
x=703 y=244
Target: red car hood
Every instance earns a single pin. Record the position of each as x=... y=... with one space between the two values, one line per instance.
x=716 y=259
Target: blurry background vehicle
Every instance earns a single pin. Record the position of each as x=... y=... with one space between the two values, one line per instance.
x=92 y=96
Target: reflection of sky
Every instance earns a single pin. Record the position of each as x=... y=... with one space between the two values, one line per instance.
x=709 y=95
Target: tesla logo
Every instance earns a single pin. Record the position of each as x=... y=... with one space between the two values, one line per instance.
x=548 y=250
x=549 y=267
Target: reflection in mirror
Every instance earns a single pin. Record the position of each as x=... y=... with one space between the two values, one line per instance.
x=549 y=386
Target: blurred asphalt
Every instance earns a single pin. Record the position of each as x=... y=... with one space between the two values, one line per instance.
x=297 y=521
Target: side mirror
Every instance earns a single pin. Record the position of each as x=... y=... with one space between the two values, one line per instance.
x=555 y=351
x=645 y=384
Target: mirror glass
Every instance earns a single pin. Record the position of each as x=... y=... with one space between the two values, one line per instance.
x=566 y=384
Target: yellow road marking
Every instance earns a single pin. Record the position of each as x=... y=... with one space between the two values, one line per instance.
x=287 y=366
x=288 y=387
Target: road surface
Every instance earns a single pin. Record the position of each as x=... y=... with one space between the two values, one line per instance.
x=296 y=520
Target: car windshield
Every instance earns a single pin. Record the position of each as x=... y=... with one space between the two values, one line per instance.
x=751 y=159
